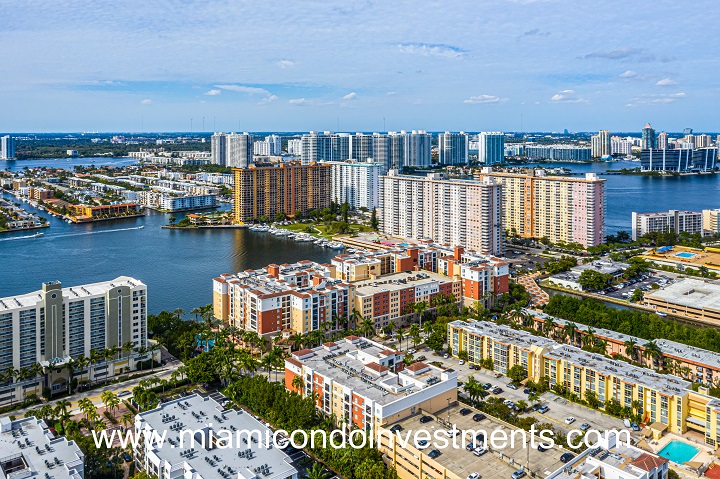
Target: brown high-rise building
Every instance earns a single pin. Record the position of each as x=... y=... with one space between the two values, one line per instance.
x=269 y=190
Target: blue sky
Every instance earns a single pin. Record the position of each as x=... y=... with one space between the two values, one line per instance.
x=545 y=65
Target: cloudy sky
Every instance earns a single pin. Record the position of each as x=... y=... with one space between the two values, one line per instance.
x=81 y=65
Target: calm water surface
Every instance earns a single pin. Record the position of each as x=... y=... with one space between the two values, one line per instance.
x=178 y=266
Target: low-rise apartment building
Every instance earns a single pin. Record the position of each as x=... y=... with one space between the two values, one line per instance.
x=55 y=324
x=29 y=449
x=364 y=384
x=194 y=431
x=678 y=221
x=663 y=398
x=381 y=285
x=571 y=279
x=711 y=221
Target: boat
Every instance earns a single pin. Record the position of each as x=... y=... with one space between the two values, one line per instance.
x=660 y=313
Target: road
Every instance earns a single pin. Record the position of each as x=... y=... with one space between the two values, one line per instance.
x=94 y=394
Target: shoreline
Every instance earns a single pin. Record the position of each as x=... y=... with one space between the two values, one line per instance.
x=25 y=229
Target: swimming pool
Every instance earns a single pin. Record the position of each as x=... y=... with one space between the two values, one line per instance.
x=678 y=451
x=685 y=255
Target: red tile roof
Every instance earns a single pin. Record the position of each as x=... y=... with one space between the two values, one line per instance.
x=649 y=462
x=302 y=352
x=294 y=362
x=376 y=367
x=415 y=367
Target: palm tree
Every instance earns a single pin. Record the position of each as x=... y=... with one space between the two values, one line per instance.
x=652 y=350
x=298 y=383
x=570 y=332
x=419 y=309
x=296 y=341
x=316 y=472
x=355 y=319
x=87 y=407
x=549 y=327
x=368 y=327
x=400 y=335
x=179 y=312
x=197 y=311
x=415 y=334
x=518 y=316
x=630 y=350
x=589 y=338
x=62 y=409
x=110 y=399
x=126 y=418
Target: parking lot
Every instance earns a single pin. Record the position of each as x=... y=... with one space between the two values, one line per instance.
x=559 y=409
x=499 y=462
x=625 y=290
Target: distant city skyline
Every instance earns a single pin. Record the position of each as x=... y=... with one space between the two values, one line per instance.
x=503 y=65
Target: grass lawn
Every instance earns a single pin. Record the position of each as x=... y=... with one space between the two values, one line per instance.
x=322 y=230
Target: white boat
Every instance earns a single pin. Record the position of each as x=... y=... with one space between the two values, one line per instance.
x=338 y=245
x=660 y=313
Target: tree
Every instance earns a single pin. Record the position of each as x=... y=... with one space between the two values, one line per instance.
x=637 y=296
x=374 y=222
x=591 y=280
x=172 y=219
x=316 y=472
x=436 y=340
x=517 y=373
x=630 y=350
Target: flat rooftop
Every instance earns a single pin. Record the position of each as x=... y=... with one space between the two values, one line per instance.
x=631 y=460
x=393 y=282
x=30 y=300
x=463 y=462
x=504 y=334
x=29 y=449
x=668 y=347
x=348 y=364
x=201 y=415
x=693 y=293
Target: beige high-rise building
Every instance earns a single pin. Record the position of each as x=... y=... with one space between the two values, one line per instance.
x=264 y=191
x=561 y=208
x=446 y=211
x=55 y=325
x=711 y=221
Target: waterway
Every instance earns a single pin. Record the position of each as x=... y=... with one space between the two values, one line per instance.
x=178 y=265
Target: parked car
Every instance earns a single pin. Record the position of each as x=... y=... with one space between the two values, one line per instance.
x=526 y=391
x=396 y=428
x=465 y=411
x=567 y=457
x=127 y=457
x=461 y=362
x=486 y=386
x=569 y=420
x=474 y=475
x=479 y=451
x=478 y=417
x=422 y=444
x=634 y=426
x=518 y=474
x=421 y=358
x=452 y=432
x=584 y=426
x=412 y=351
x=497 y=390
x=446 y=355
x=542 y=447
x=512 y=386
x=434 y=454
x=425 y=419
x=543 y=409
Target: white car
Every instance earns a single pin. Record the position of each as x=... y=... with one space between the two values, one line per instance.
x=446 y=355
x=479 y=451
x=412 y=351
x=461 y=362
x=569 y=420
x=452 y=432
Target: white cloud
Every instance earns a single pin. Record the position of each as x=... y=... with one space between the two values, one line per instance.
x=285 y=64
x=666 y=82
x=655 y=99
x=146 y=102
x=628 y=74
x=268 y=99
x=431 y=49
x=391 y=93
x=213 y=92
x=485 y=99
x=244 y=89
x=350 y=96
x=567 y=96
x=297 y=101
